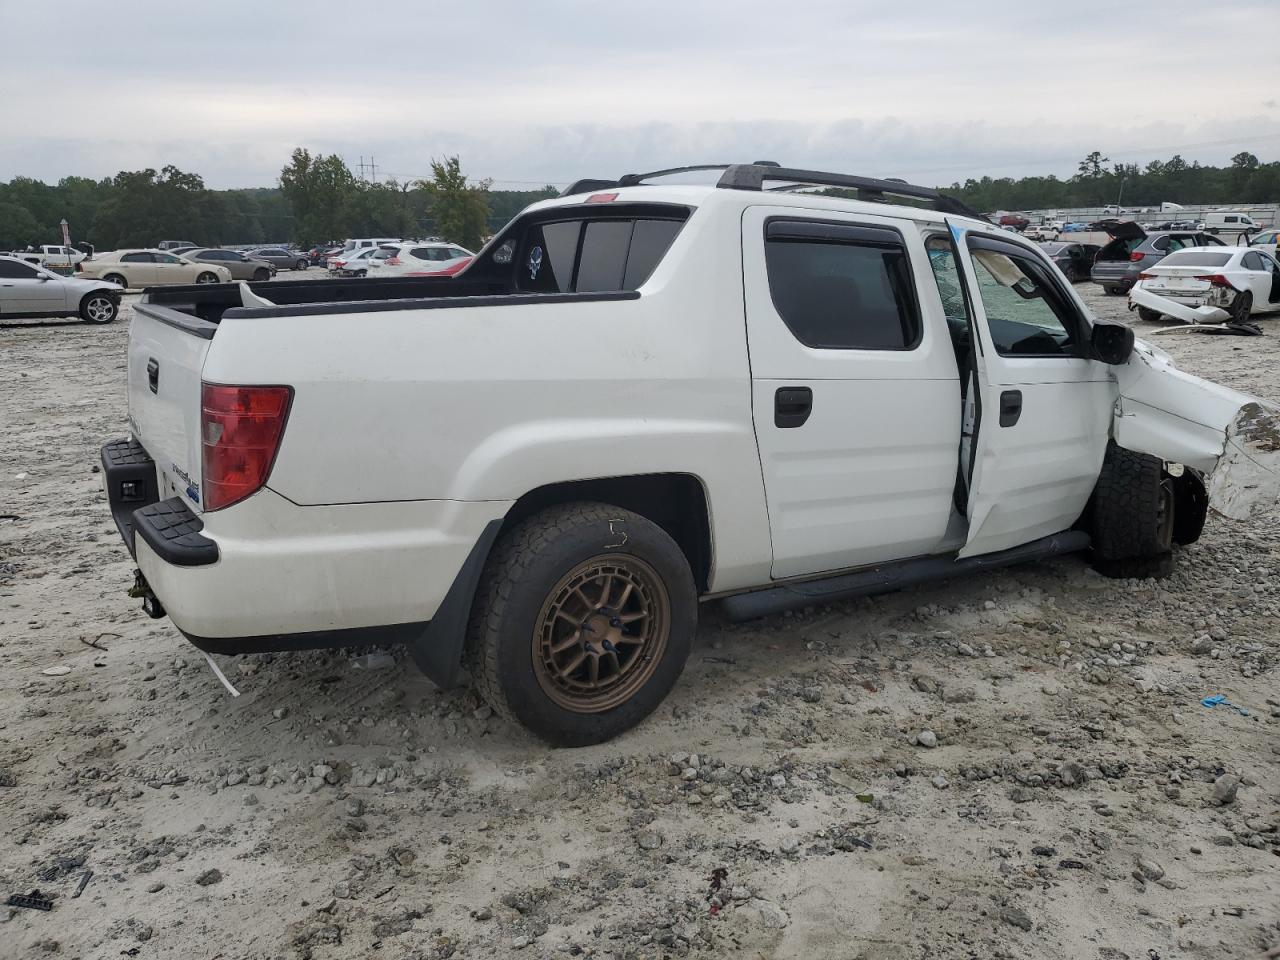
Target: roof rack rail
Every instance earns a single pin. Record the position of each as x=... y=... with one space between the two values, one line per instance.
x=752 y=176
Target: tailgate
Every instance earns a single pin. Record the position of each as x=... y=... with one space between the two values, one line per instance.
x=166 y=355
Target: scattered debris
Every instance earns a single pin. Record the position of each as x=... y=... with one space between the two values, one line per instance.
x=32 y=901
x=218 y=673
x=1220 y=700
x=59 y=671
x=84 y=882
x=373 y=661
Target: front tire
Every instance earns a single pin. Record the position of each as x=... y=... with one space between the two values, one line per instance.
x=302 y=264
x=582 y=624
x=261 y=275
x=1133 y=517
x=1148 y=315
x=98 y=308
x=207 y=277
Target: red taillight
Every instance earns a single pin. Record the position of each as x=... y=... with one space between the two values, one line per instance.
x=1217 y=280
x=240 y=431
x=1145 y=276
x=1136 y=256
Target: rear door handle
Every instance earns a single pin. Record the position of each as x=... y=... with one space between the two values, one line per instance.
x=792 y=406
x=1010 y=407
x=153 y=375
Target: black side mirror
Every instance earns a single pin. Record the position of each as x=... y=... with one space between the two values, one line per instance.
x=1111 y=342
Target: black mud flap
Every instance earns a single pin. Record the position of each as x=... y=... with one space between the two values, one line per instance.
x=438 y=649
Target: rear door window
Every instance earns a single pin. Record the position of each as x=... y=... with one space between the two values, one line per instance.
x=842 y=287
x=1251 y=261
x=136 y=258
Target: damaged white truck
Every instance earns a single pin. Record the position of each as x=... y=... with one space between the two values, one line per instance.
x=639 y=396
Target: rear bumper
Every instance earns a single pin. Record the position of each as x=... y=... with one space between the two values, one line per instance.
x=1114 y=276
x=1188 y=312
x=267 y=574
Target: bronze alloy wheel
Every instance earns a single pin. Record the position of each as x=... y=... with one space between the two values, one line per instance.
x=601 y=632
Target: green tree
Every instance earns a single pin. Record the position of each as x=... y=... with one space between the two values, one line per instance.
x=1091 y=166
x=459 y=210
x=17 y=227
x=319 y=191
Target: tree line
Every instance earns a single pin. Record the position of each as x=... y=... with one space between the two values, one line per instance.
x=1098 y=182
x=318 y=199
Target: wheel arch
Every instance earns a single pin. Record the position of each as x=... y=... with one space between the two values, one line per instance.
x=676 y=502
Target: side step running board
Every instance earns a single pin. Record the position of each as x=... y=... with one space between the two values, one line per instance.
x=893 y=576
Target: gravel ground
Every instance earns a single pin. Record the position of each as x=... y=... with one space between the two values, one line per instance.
x=1011 y=766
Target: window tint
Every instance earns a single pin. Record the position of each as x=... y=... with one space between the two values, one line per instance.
x=649 y=243
x=843 y=296
x=1024 y=314
x=136 y=258
x=604 y=255
x=546 y=265
x=13 y=270
x=1232 y=219
x=1160 y=243
x=1196 y=260
x=166 y=258
x=1251 y=261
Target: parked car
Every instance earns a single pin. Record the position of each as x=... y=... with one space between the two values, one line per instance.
x=239 y=265
x=29 y=290
x=147 y=268
x=57 y=255
x=169 y=245
x=1228 y=221
x=1074 y=259
x=400 y=259
x=546 y=461
x=1048 y=230
x=181 y=251
x=319 y=256
x=1015 y=220
x=1214 y=284
x=1266 y=241
x=281 y=258
x=1132 y=250
x=354 y=263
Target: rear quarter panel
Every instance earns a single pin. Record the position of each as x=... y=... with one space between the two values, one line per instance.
x=490 y=402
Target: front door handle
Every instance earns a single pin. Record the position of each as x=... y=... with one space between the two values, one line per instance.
x=792 y=406
x=1010 y=407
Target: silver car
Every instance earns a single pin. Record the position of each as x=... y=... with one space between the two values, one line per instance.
x=28 y=290
x=281 y=258
x=242 y=267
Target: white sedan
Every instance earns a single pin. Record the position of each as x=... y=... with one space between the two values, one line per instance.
x=28 y=290
x=352 y=263
x=1209 y=285
x=1266 y=241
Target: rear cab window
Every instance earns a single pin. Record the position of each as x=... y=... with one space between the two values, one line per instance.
x=842 y=286
x=571 y=250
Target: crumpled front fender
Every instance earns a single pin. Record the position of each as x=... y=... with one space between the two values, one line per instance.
x=1231 y=437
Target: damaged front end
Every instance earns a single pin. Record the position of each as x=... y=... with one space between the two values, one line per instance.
x=1231 y=440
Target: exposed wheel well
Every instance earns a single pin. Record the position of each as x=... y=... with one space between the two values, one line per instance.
x=676 y=502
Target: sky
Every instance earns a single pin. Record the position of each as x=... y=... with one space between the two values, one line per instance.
x=528 y=93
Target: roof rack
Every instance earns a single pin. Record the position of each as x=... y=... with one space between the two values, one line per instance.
x=752 y=176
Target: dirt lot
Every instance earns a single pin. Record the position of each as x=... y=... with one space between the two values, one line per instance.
x=1016 y=766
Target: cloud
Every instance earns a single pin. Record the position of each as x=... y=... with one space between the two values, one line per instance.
x=560 y=89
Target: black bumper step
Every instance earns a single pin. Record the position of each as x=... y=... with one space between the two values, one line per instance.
x=130 y=477
x=172 y=531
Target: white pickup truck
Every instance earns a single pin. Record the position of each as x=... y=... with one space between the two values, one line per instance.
x=639 y=396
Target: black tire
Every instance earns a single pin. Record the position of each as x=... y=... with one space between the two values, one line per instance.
x=206 y=277
x=1242 y=307
x=99 y=308
x=1148 y=315
x=531 y=566
x=261 y=275
x=118 y=279
x=1132 y=519
x=1113 y=291
x=302 y=264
